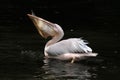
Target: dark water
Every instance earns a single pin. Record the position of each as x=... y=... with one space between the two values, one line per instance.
x=21 y=57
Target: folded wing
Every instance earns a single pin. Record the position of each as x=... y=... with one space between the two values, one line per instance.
x=73 y=45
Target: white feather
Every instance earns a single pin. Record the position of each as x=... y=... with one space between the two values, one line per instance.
x=72 y=45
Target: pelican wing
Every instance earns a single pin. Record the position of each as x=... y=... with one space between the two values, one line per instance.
x=73 y=45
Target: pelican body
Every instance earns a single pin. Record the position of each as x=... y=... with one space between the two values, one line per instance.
x=73 y=49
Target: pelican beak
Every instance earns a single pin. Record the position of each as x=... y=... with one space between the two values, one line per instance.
x=44 y=27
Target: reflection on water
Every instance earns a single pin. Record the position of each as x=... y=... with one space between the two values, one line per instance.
x=60 y=70
x=86 y=70
x=56 y=69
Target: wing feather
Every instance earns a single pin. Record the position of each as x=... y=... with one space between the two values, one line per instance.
x=72 y=45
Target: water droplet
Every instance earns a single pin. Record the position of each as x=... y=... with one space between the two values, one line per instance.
x=115 y=51
x=103 y=67
x=71 y=30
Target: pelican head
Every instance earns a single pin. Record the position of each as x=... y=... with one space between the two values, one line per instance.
x=44 y=27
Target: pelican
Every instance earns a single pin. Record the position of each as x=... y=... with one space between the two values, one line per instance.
x=72 y=49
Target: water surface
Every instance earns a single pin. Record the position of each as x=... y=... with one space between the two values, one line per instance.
x=21 y=57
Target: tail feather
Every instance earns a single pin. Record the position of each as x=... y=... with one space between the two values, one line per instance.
x=92 y=54
x=88 y=55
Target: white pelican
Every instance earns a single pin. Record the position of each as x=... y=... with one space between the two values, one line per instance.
x=73 y=49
